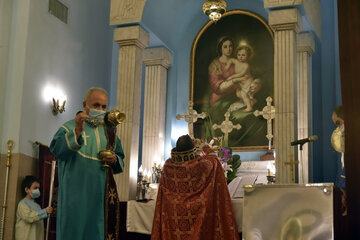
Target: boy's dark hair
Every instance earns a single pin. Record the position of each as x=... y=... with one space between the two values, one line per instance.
x=339 y=111
x=27 y=182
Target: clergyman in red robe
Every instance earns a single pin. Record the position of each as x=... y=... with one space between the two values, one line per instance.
x=193 y=201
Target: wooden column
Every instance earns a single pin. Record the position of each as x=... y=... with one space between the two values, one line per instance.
x=305 y=48
x=132 y=41
x=349 y=43
x=286 y=24
x=157 y=61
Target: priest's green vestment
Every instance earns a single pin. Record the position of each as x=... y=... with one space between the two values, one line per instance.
x=82 y=181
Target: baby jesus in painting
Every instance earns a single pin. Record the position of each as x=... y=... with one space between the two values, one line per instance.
x=242 y=76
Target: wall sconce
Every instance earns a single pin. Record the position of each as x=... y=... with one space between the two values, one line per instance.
x=214 y=9
x=56 y=97
x=56 y=106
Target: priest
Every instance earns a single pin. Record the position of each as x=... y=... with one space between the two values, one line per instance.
x=82 y=196
x=193 y=201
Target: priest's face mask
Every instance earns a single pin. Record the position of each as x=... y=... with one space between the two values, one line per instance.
x=338 y=135
x=97 y=100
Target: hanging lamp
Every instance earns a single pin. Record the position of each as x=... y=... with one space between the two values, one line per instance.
x=214 y=9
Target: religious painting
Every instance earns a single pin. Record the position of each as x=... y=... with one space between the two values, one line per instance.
x=232 y=74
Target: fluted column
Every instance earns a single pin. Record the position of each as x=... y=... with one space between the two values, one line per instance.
x=157 y=61
x=286 y=24
x=305 y=48
x=132 y=41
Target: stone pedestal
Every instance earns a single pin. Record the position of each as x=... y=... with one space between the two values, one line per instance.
x=157 y=61
x=285 y=23
x=132 y=41
x=305 y=48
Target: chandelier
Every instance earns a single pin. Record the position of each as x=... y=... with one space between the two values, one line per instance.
x=214 y=9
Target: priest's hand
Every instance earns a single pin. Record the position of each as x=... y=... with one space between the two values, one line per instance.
x=109 y=159
x=79 y=123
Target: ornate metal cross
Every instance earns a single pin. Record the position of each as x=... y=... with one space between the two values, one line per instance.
x=226 y=127
x=268 y=113
x=191 y=116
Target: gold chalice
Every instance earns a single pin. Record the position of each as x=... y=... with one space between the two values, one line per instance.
x=105 y=153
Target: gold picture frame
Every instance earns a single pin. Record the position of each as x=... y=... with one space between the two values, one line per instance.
x=208 y=73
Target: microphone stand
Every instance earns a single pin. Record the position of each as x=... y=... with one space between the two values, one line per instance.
x=301 y=163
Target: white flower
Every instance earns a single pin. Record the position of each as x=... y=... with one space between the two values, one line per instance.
x=227 y=167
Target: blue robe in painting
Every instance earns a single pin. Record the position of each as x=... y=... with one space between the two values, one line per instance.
x=82 y=181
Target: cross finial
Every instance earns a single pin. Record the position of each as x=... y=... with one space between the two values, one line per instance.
x=191 y=116
x=268 y=113
x=226 y=127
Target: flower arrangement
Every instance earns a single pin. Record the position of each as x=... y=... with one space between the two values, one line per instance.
x=230 y=162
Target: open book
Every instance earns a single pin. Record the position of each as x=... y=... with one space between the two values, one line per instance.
x=236 y=186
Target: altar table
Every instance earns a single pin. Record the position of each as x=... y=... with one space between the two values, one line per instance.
x=140 y=215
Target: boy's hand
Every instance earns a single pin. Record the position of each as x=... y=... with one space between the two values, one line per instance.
x=49 y=209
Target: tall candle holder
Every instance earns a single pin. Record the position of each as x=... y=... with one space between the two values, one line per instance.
x=139 y=186
x=156 y=173
x=142 y=186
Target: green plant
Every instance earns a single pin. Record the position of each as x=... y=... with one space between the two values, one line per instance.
x=230 y=162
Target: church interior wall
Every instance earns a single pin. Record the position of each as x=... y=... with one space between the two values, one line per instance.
x=82 y=53
x=72 y=57
x=41 y=50
x=5 y=27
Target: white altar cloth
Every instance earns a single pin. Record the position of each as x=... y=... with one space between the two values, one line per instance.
x=140 y=215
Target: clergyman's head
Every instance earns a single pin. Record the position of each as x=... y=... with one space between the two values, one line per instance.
x=184 y=143
x=95 y=98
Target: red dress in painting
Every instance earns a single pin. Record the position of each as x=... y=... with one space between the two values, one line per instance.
x=193 y=201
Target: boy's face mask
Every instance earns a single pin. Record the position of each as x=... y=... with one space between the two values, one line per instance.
x=35 y=193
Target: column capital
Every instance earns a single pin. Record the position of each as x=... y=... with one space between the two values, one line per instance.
x=285 y=19
x=305 y=43
x=281 y=3
x=157 y=56
x=126 y=11
x=133 y=35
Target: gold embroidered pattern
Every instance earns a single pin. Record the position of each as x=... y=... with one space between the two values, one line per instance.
x=183 y=156
x=112 y=195
x=76 y=142
x=68 y=143
x=63 y=126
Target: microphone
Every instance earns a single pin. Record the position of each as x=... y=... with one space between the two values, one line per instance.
x=305 y=140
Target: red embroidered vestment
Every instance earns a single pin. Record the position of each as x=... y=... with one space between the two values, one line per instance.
x=194 y=202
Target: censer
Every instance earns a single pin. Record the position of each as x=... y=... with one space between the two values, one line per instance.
x=111 y=120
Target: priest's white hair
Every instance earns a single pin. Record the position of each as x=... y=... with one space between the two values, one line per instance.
x=93 y=89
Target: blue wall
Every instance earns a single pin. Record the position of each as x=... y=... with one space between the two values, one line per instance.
x=326 y=94
x=73 y=56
